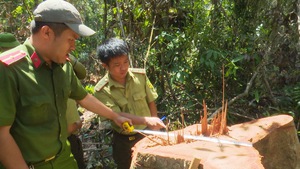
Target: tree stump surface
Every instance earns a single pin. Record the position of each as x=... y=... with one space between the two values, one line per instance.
x=274 y=139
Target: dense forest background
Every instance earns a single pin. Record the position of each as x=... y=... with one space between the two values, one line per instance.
x=187 y=46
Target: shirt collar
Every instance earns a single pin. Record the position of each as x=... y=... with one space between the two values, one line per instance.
x=37 y=61
x=111 y=82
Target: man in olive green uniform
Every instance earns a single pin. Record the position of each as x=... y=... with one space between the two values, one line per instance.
x=7 y=41
x=36 y=81
x=126 y=90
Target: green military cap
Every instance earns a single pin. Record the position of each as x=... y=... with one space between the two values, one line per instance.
x=59 y=11
x=8 y=40
x=78 y=67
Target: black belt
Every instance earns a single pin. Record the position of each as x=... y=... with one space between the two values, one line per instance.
x=32 y=164
x=127 y=137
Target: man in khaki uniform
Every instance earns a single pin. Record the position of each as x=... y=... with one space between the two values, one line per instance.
x=126 y=90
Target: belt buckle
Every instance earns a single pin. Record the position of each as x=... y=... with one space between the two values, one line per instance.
x=131 y=138
x=49 y=159
x=31 y=165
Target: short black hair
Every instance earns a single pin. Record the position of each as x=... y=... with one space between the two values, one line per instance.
x=111 y=48
x=57 y=28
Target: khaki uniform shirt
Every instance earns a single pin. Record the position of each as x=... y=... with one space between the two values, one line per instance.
x=133 y=98
x=33 y=100
x=72 y=112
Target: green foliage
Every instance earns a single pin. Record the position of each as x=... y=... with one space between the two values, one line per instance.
x=291 y=102
x=97 y=144
x=90 y=88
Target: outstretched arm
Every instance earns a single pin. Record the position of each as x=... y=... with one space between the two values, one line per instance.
x=153 y=123
x=94 y=105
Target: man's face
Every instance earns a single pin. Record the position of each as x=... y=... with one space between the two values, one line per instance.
x=118 y=68
x=61 y=46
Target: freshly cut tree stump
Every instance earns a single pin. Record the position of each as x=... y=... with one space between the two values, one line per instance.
x=274 y=139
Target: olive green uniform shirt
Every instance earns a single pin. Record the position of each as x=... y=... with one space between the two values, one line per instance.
x=33 y=100
x=132 y=98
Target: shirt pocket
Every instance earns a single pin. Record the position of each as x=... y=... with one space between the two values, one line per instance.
x=34 y=110
x=140 y=103
x=122 y=103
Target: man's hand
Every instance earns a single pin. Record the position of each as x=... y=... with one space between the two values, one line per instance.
x=154 y=123
x=119 y=120
x=74 y=127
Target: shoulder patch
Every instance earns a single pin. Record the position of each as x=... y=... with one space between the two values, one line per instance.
x=101 y=84
x=12 y=57
x=138 y=70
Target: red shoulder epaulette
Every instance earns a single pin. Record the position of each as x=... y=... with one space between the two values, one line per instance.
x=10 y=58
